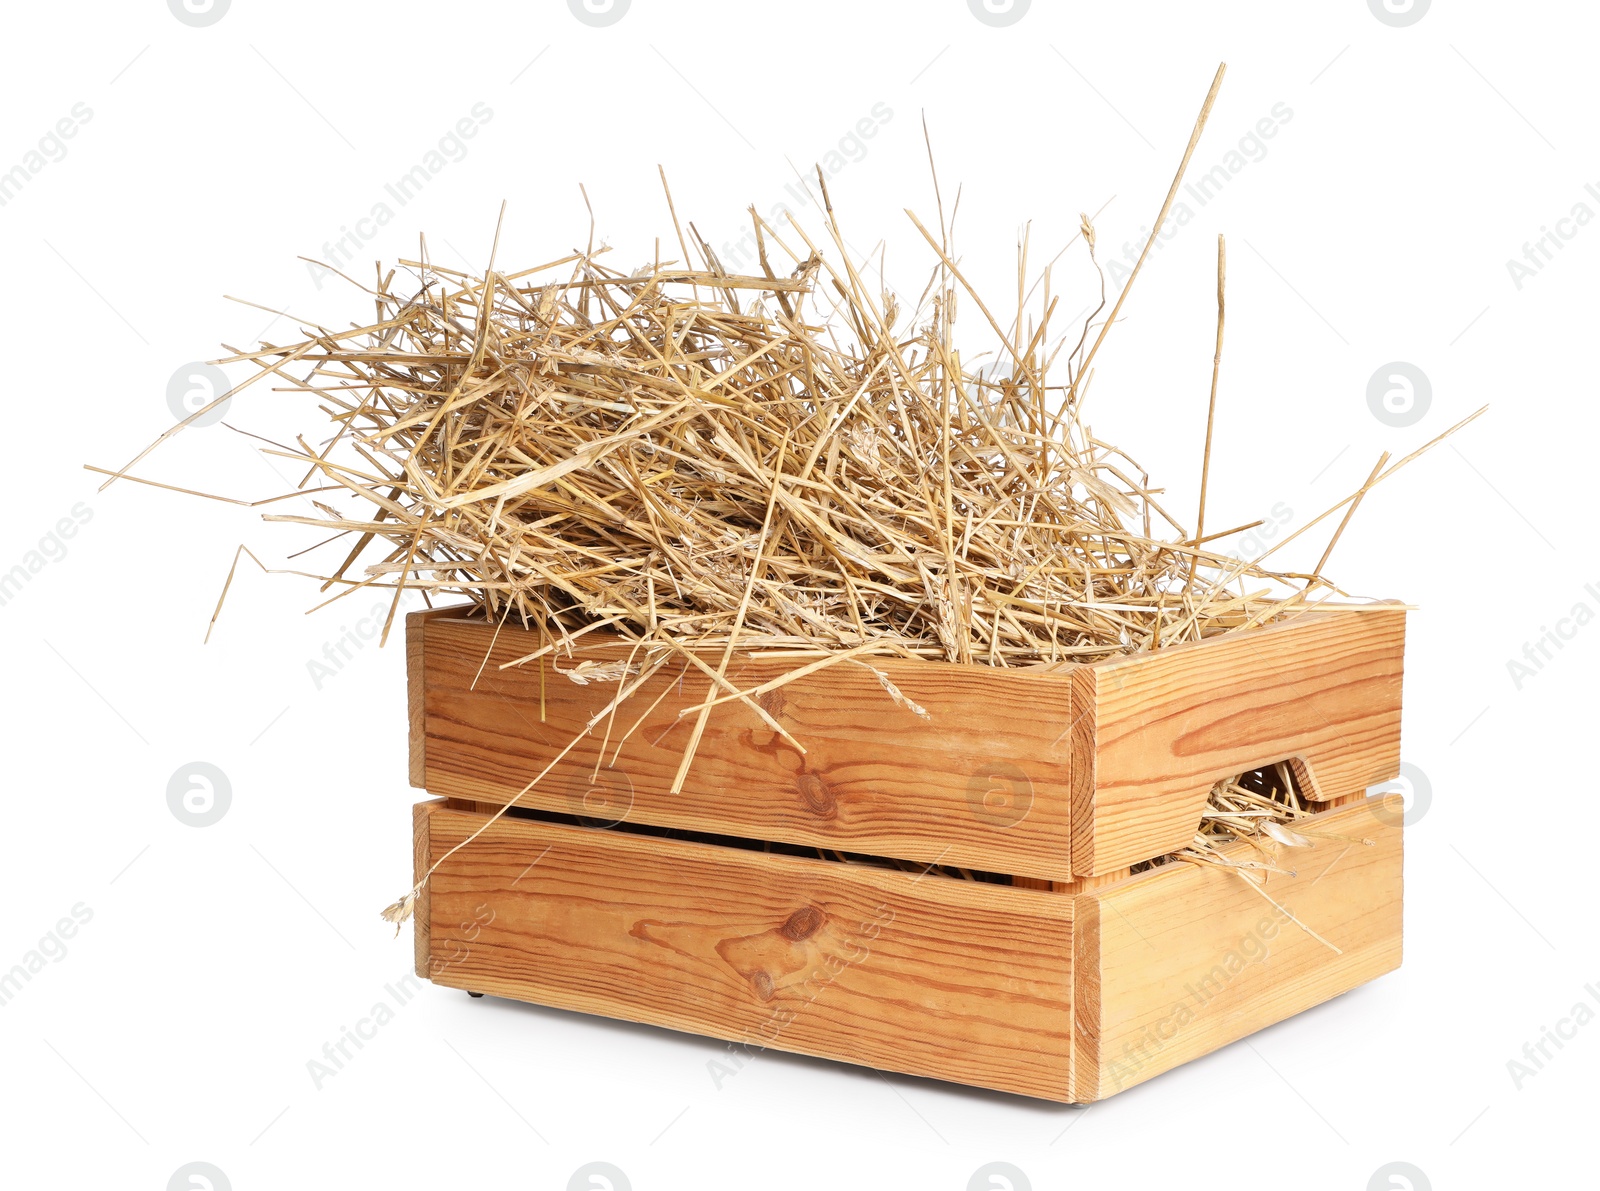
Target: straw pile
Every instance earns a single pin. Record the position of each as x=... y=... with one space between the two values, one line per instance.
x=792 y=461
x=694 y=457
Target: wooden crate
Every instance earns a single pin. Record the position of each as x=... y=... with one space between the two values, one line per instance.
x=1069 y=997
x=1051 y=775
x=1057 y=974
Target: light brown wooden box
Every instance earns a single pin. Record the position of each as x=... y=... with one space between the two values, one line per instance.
x=1050 y=775
x=1065 y=978
x=1069 y=997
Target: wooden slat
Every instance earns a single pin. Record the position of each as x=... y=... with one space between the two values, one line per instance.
x=982 y=784
x=1051 y=776
x=421 y=858
x=416 y=683
x=1178 y=961
x=930 y=976
x=1152 y=732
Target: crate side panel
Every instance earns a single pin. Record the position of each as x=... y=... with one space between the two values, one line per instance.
x=1185 y=958
x=1323 y=688
x=983 y=782
x=933 y=977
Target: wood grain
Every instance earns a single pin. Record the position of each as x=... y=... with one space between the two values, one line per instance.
x=1152 y=732
x=416 y=684
x=1182 y=959
x=929 y=976
x=1076 y=885
x=982 y=784
x=421 y=858
x=1046 y=775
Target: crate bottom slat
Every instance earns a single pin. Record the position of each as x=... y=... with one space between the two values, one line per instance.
x=1066 y=996
x=936 y=977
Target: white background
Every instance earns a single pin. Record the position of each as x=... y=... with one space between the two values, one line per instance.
x=1377 y=226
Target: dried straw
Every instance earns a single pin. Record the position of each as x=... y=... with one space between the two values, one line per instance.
x=699 y=461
